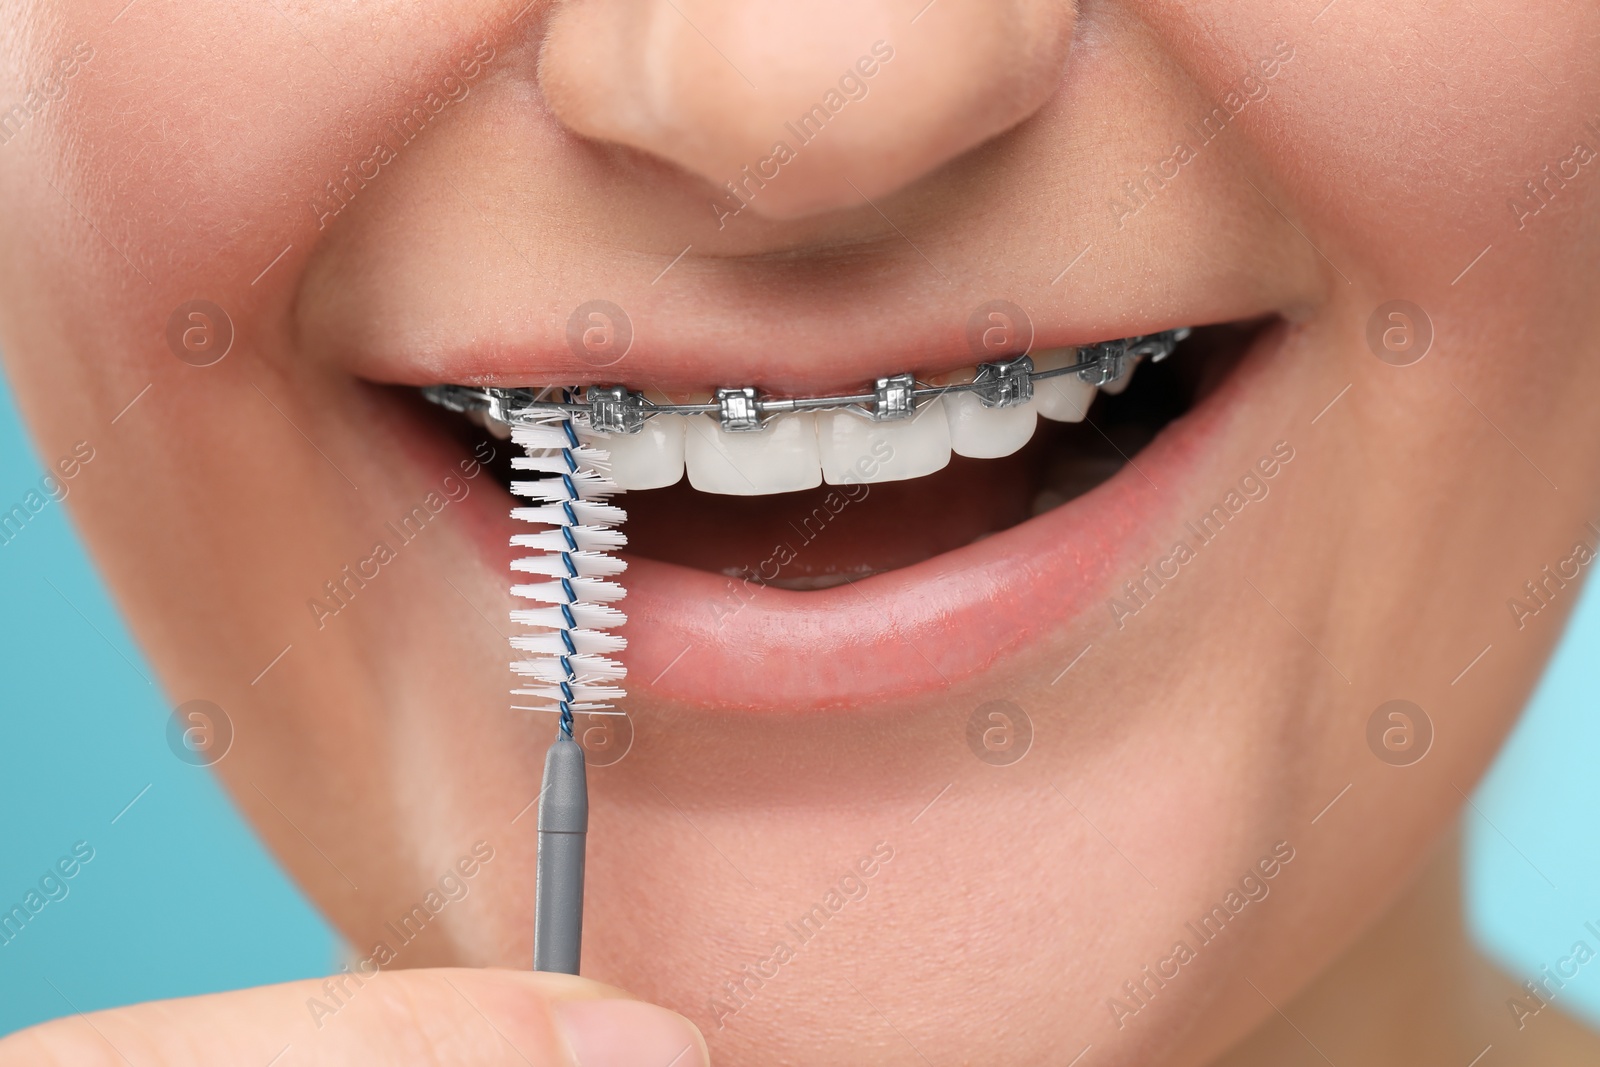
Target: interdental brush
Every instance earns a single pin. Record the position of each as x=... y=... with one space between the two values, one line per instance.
x=568 y=669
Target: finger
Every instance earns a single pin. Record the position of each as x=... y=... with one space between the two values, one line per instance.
x=481 y=1017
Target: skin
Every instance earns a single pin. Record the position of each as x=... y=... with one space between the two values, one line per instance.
x=186 y=155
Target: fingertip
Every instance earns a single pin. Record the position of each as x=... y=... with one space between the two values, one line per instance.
x=628 y=1033
x=553 y=986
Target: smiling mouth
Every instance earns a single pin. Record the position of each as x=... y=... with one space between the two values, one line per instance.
x=888 y=494
x=978 y=541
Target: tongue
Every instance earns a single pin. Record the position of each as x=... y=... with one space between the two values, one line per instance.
x=834 y=533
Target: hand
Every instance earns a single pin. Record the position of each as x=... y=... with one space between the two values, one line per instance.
x=480 y=1017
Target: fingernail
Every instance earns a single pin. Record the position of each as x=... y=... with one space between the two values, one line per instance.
x=629 y=1033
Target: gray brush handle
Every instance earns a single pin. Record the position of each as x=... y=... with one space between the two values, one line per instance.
x=563 y=826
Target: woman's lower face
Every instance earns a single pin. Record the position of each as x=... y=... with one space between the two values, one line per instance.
x=1091 y=744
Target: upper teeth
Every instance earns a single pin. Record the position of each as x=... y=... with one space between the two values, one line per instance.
x=911 y=429
x=804 y=450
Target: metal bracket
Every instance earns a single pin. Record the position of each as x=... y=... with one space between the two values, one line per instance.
x=614 y=409
x=1110 y=360
x=1004 y=384
x=894 y=398
x=739 y=410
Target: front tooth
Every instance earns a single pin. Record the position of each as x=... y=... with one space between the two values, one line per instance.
x=1066 y=397
x=1116 y=386
x=649 y=459
x=781 y=458
x=856 y=450
x=986 y=433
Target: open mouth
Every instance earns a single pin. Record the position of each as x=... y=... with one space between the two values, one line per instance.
x=726 y=567
x=855 y=531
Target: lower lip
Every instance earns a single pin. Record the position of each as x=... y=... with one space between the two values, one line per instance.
x=721 y=644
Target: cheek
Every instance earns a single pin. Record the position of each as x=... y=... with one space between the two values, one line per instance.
x=234 y=144
x=1437 y=117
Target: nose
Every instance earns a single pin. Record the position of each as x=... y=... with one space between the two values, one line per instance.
x=794 y=107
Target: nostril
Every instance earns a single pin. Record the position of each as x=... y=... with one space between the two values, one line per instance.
x=789 y=109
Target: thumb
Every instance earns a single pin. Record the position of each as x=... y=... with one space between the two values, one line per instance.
x=432 y=1017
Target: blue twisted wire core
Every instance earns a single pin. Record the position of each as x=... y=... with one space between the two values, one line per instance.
x=564 y=723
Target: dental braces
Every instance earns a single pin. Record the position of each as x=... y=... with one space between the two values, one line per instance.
x=616 y=409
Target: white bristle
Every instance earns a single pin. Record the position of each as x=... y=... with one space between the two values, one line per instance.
x=553 y=643
x=532 y=435
x=568 y=646
x=588 y=538
x=588 y=616
x=585 y=564
x=588 y=512
x=587 y=668
x=554 y=461
x=592 y=695
x=592 y=590
x=576 y=707
x=591 y=485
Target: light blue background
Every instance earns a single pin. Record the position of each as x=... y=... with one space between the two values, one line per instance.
x=180 y=898
x=1532 y=842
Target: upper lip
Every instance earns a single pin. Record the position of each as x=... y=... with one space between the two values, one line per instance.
x=681 y=348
